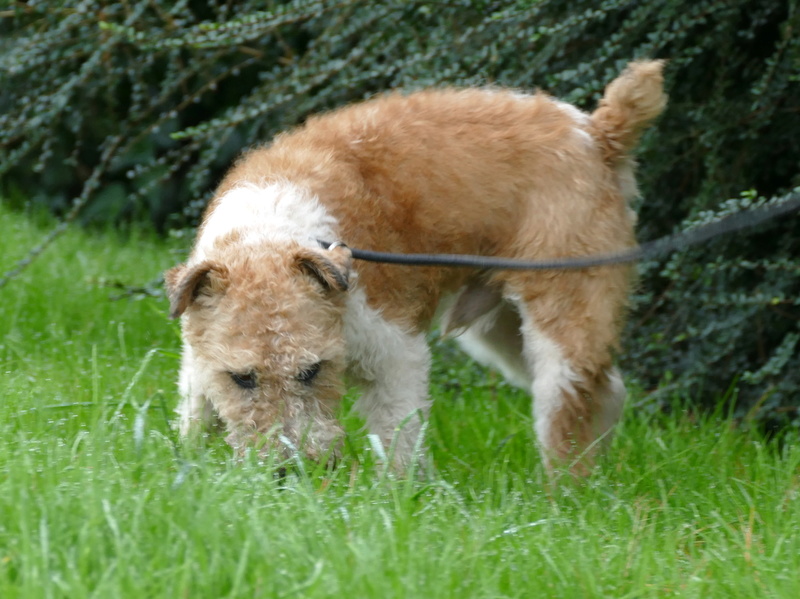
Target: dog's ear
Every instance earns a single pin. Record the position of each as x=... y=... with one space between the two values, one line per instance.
x=185 y=284
x=331 y=267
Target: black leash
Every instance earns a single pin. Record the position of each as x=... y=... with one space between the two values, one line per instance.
x=679 y=241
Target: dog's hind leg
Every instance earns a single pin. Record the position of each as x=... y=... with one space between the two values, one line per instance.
x=570 y=327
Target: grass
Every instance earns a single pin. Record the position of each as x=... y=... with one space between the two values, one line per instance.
x=97 y=498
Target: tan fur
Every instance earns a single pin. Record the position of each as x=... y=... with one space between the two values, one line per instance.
x=442 y=171
x=629 y=104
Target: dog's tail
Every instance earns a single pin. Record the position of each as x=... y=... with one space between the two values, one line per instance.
x=629 y=105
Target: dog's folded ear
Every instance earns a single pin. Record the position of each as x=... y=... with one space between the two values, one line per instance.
x=331 y=267
x=184 y=284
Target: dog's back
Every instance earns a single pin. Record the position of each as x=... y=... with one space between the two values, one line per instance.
x=478 y=171
x=438 y=157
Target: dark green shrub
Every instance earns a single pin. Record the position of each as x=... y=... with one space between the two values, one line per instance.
x=132 y=110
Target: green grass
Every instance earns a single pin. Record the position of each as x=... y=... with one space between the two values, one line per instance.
x=97 y=499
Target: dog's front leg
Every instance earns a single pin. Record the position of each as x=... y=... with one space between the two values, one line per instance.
x=394 y=409
x=393 y=365
x=195 y=412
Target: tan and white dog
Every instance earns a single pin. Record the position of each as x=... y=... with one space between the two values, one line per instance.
x=272 y=322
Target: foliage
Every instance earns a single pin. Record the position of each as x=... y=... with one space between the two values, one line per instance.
x=98 y=500
x=113 y=111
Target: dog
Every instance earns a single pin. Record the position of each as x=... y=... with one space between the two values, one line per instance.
x=273 y=319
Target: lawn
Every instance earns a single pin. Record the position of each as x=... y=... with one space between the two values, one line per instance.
x=98 y=498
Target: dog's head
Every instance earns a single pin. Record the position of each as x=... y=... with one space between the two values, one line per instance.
x=264 y=326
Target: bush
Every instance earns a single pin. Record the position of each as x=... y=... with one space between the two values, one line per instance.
x=114 y=111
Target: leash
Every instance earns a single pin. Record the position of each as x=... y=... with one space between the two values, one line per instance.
x=665 y=245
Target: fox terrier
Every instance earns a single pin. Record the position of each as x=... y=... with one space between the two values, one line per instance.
x=273 y=322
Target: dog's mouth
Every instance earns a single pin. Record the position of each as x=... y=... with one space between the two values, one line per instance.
x=284 y=449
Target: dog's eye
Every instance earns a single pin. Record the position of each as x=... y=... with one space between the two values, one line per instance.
x=308 y=374
x=245 y=380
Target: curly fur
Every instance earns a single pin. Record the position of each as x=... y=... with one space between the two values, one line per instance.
x=472 y=171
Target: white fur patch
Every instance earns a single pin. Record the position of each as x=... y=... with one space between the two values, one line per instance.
x=627 y=182
x=582 y=120
x=612 y=402
x=270 y=212
x=552 y=375
x=373 y=341
x=474 y=341
x=194 y=409
x=393 y=365
x=474 y=344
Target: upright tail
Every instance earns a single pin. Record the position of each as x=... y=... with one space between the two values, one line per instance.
x=629 y=105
